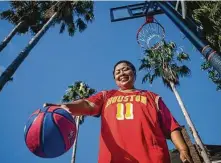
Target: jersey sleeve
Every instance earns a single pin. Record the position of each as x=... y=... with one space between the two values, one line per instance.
x=96 y=101
x=168 y=122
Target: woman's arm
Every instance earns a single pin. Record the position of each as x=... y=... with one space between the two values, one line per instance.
x=88 y=106
x=181 y=146
x=76 y=108
x=178 y=141
x=170 y=128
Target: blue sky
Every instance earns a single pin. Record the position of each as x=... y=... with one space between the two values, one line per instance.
x=59 y=60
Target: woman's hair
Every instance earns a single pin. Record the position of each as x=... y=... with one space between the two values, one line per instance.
x=128 y=63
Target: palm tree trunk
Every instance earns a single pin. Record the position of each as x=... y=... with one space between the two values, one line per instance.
x=5 y=42
x=8 y=73
x=75 y=142
x=196 y=137
x=192 y=148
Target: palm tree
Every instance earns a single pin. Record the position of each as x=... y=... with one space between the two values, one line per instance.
x=213 y=74
x=207 y=15
x=70 y=14
x=78 y=90
x=165 y=64
x=25 y=15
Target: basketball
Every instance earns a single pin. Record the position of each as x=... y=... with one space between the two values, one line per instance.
x=50 y=132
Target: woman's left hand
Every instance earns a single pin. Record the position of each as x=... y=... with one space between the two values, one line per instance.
x=185 y=157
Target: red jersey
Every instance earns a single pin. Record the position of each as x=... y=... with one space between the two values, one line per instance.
x=134 y=127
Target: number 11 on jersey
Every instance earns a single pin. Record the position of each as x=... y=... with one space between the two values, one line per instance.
x=124 y=111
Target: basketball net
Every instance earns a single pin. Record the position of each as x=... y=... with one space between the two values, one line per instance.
x=151 y=34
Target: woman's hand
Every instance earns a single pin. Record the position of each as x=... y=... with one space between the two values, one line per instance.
x=50 y=104
x=185 y=157
x=63 y=106
x=77 y=108
x=180 y=144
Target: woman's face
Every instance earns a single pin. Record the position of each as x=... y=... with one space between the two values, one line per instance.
x=124 y=76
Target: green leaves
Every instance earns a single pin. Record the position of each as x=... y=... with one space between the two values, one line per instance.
x=73 y=15
x=78 y=90
x=7 y=15
x=164 y=63
x=81 y=25
x=205 y=65
x=207 y=14
x=62 y=28
x=183 y=57
x=183 y=71
x=30 y=12
x=148 y=77
x=213 y=74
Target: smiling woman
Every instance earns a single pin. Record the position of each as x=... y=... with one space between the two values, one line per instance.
x=134 y=123
x=124 y=75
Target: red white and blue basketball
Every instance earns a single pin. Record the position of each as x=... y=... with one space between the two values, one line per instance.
x=50 y=132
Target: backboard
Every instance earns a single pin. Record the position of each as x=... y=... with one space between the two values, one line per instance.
x=148 y=8
x=151 y=8
x=145 y=8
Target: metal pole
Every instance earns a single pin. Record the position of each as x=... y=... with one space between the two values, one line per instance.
x=211 y=55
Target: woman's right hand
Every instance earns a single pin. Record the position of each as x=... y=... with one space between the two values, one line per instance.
x=63 y=106
x=50 y=104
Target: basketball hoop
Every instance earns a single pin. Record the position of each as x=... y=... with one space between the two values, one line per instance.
x=151 y=34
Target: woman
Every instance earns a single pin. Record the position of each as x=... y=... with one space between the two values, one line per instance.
x=134 y=123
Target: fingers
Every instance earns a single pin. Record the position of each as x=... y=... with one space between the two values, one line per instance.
x=185 y=161
x=49 y=104
x=46 y=105
x=185 y=158
x=188 y=159
x=59 y=105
